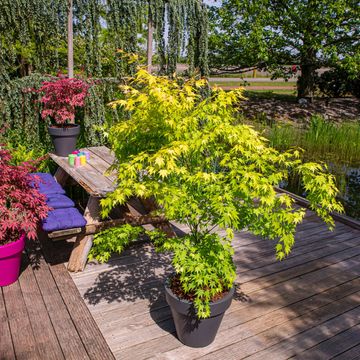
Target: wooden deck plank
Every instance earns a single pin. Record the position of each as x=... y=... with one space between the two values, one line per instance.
x=149 y=332
x=107 y=282
x=351 y=354
x=6 y=345
x=284 y=334
x=85 y=325
x=267 y=258
x=44 y=334
x=42 y=315
x=235 y=332
x=236 y=313
x=122 y=319
x=303 y=238
x=65 y=330
x=19 y=323
x=311 y=337
x=295 y=260
x=316 y=288
x=299 y=270
x=334 y=346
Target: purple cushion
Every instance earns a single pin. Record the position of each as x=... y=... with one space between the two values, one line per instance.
x=61 y=219
x=47 y=184
x=59 y=201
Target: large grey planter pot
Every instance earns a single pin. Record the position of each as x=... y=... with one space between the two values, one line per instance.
x=64 y=138
x=190 y=330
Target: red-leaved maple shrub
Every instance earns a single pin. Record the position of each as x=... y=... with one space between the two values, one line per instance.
x=61 y=98
x=21 y=205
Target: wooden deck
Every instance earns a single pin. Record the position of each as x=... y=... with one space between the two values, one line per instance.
x=305 y=307
x=42 y=316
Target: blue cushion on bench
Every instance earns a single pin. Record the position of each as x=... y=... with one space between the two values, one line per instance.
x=59 y=201
x=47 y=184
x=61 y=219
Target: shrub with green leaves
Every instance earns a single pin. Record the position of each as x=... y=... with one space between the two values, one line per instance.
x=207 y=171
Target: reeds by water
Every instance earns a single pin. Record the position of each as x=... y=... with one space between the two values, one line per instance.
x=338 y=145
x=322 y=140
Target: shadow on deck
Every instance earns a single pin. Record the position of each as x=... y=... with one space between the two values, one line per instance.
x=306 y=306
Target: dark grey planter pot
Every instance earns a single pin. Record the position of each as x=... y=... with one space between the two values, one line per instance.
x=190 y=330
x=64 y=139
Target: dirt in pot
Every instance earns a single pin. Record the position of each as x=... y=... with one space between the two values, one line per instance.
x=176 y=288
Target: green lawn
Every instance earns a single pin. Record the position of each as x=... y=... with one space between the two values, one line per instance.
x=287 y=95
x=262 y=83
x=239 y=75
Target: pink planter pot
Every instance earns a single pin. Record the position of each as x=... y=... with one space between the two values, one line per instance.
x=10 y=261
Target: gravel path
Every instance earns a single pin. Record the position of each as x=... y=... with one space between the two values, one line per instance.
x=336 y=109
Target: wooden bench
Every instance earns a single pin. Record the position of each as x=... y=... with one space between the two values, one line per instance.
x=97 y=181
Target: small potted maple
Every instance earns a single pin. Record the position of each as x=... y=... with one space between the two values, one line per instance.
x=21 y=209
x=61 y=98
x=209 y=172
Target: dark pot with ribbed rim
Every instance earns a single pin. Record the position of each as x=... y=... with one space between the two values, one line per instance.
x=64 y=138
x=190 y=330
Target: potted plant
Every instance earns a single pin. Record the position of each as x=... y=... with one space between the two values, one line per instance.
x=208 y=171
x=21 y=209
x=61 y=97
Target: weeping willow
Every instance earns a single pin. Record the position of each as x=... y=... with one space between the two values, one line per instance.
x=33 y=45
x=33 y=35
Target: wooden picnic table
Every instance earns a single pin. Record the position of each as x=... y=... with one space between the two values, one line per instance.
x=97 y=181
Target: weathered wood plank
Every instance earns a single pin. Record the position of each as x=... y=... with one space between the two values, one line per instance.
x=6 y=345
x=250 y=275
x=83 y=242
x=315 y=335
x=86 y=176
x=351 y=354
x=100 y=164
x=319 y=282
x=104 y=153
x=68 y=337
x=282 y=341
x=59 y=234
x=267 y=303
x=151 y=332
x=260 y=255
x=248 y=330
x=333 y=346
x=61 y=176
x=353 y=223
x=90 y=335
x=297 y=271
x=19 y=322
x=44 y=334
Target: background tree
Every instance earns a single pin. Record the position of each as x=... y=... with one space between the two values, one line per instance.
x=33 y=35
x=273 y=33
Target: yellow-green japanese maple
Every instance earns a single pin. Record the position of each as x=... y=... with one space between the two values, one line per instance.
x=206 y=170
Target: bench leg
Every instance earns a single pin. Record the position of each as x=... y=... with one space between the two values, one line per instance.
x=80 y=252
x=150 y=205
x=83 y=243
x=61 y=176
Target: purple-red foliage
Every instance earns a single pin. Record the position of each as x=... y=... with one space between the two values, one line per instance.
x=62 y=97
x=21 y=205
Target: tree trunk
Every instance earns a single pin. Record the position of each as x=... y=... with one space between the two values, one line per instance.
x=150 y=42
x=306 y=81
x=70 y=40
x=308 y=65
